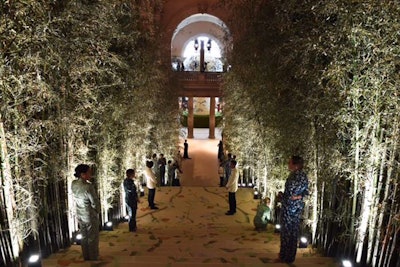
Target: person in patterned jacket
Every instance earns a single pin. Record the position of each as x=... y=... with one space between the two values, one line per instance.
x=296 y=188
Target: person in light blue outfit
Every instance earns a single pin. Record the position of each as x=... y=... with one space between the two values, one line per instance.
x=87 y=211
x=296 y=188
x=263 y=215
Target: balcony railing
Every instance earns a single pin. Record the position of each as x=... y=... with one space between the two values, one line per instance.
x=199 y=84
x=199 y=76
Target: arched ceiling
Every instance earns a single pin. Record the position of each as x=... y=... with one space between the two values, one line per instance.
x=195 y=26
x=184 y=20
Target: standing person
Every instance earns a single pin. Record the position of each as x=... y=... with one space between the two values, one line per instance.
x=232 y=187
x=263 y=215
x=87 y=211
x=177 y=176
x=221 y=174
x=155 y=168
x=151 y=183
x=178 y=158
x=278 y=207
x=296 y=187
x=186 y=150
x=171 y=172
x=228 y=167
x=162 y=162
x=220 y=150
x=131 y=198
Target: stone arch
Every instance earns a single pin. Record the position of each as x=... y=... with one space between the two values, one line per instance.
x=176 y=12
x=199 y=25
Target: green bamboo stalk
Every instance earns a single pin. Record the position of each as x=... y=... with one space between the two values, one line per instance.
x=369 y=194
x=373 y=236
x=355 y=182
x=315 y=194
x=390 y=234
x=8 y=191
x=379 y=248
x=395 y=235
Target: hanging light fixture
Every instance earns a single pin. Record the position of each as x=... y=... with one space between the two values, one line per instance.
x=196 y=44
x=209 y=44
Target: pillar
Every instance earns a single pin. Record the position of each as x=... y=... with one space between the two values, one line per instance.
x=190 y=120
x=202 y=62
x=211 y=122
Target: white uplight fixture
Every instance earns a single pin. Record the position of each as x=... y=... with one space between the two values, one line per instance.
x=303 y=242
x=256 y=195
x=34 y=261
x=277 y=228
x=79 y=237
x=108 y=226
x=34 y=258
x=346 y=263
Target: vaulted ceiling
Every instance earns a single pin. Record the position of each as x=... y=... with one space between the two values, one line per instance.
x=184 y=20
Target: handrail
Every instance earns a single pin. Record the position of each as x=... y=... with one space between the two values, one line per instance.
x=199 y=76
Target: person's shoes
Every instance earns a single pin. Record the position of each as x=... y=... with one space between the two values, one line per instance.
x=154 y=208
x=229 y=213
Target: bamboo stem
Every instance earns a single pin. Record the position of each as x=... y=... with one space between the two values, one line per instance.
x=8 y=195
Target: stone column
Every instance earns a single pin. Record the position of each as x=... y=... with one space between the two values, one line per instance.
x=211 y=122
x=202 y=62
x=190 y=119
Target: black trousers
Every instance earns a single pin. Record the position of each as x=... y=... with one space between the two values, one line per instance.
x=132 y=216
x=162 y=175
x=232 y=201
x=221 y=181
x=150 y=198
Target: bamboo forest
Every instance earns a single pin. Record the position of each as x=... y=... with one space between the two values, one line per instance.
x=88 y=81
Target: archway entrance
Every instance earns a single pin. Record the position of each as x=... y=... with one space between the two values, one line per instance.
x=197 y=36
x=198 y=48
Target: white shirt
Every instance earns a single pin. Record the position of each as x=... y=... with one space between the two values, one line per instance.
x=232 y=184
x=151 y=180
